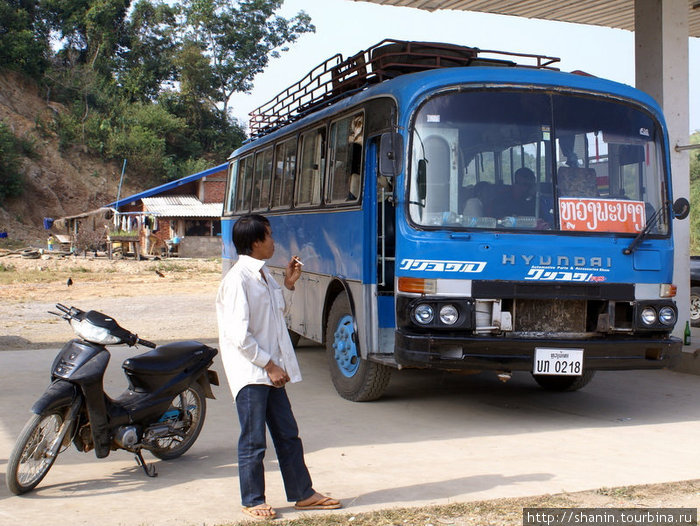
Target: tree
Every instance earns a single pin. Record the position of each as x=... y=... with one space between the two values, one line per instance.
x=145 y=58
x=151 y=83
x=23 y=37
x=88 y=28
x=239 y=39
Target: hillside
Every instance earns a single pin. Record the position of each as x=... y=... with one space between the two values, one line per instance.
x=56 y=183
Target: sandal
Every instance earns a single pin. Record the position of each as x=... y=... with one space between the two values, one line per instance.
x=319 y=502
x=260 y=512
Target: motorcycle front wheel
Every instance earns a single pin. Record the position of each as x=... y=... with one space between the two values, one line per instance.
x=186 y=415
x=30 y=459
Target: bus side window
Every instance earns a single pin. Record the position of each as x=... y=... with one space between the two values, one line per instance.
x=244 y=184
x=312 y=166
x=345 y=177
x=262 y=179
x=230 y=204
x=285 y=166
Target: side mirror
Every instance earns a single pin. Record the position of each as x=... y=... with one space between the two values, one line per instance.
x=390 y=154
x=681 y=208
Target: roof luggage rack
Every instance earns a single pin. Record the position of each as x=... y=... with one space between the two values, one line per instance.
x=337 y=78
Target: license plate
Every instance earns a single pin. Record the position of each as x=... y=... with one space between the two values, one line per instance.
x=561 y=362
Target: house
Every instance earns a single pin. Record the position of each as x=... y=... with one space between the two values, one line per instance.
x=181 y=217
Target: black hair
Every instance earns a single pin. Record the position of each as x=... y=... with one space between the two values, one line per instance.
x=247 y=230
x=526 y=174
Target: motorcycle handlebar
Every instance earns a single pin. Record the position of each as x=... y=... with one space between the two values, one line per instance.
x=145 y=343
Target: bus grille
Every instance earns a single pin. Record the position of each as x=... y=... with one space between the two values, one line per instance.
x=549 y=316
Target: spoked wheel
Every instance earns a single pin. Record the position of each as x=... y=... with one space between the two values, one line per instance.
x=552 y=382
x=186 y=414
x=30 y=459
x=354 y=378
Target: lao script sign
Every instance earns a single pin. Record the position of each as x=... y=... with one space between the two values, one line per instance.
x=601 y=215
x=431 y=265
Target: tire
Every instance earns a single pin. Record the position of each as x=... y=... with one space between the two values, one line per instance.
x=191 y=408
x=354 y=378
x=695 y=306
x=28 y=463
x=552 y=382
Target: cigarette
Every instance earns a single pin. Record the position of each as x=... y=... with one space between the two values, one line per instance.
x=297 y=260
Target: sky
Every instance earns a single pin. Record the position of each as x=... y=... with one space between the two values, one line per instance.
x=346 y=27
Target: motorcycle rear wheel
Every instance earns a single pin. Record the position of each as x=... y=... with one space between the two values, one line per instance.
x=29 y=461
x=191 y=405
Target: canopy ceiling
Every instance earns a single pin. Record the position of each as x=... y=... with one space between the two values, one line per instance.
x=608 y=13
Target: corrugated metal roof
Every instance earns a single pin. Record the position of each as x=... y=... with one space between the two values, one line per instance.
x=181 y=206
x=168 y=186
x=608 y=13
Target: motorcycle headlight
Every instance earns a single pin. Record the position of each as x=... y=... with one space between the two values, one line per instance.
x=91 y=333
x=648 y=316
x=423 y=314
x=667 y=316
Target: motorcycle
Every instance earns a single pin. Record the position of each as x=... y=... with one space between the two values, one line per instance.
x=161 y=411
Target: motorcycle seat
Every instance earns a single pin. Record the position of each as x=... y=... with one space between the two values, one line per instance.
x=168 y=358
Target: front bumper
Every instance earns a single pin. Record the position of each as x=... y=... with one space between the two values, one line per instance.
x=511 y=354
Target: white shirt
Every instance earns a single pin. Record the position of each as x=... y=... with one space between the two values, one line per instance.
x=250 y=313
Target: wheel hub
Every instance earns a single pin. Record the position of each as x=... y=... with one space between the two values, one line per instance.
x=345 y=350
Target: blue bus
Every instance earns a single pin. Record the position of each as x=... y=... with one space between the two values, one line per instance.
x=466 y=210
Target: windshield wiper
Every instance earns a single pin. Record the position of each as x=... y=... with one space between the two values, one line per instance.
x=640 y=237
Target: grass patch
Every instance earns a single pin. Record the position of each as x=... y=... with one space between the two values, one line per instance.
x=79 y=270
x=169 y=267
x=501 y=512
x=623 y=492
x=7 y=268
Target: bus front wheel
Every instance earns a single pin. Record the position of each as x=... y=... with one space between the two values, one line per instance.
x=552 y=382
x=354 y=378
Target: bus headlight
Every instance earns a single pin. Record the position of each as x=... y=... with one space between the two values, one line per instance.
x=449 y=314
x=667 y=316
x=648 y=316
x=423 y=314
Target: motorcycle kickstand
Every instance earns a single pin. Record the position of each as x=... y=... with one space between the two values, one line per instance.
x=149 y=470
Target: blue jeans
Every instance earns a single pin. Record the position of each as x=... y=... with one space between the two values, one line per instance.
x=257 y=406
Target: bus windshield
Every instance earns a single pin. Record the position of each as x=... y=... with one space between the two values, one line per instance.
x=535 y=161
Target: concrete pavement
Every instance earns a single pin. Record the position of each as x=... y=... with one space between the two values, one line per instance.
x=432 y=439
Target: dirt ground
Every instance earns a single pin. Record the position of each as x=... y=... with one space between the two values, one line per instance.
x=173 y=299
x=160 y=300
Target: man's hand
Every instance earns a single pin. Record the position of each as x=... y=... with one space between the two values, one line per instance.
x=292 y=272
x=277 y=375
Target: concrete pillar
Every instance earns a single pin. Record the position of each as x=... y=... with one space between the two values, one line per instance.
x=661 y=57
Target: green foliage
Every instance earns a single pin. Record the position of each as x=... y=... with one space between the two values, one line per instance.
x=695 y=158
x=149 y=84
x=11 y=149
x=694 y=217
x=23 y=38
x=148 y=45
x=241 y=38
x=67 y=129
x=144 y=149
